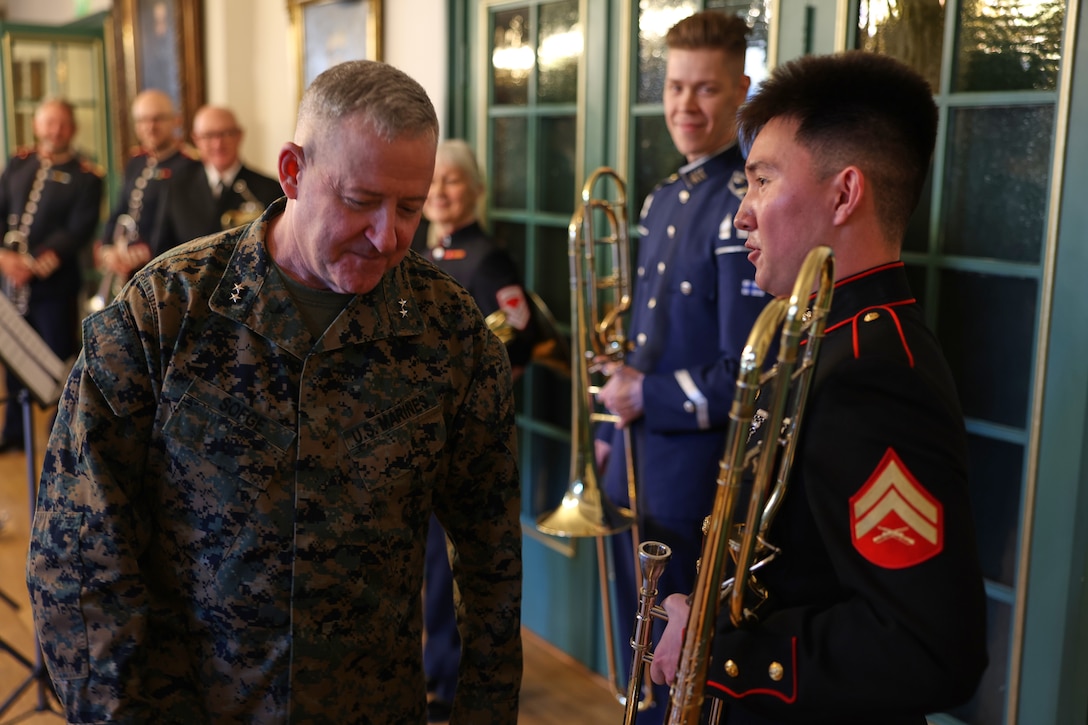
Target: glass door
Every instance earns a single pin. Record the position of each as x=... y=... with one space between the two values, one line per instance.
x=38 y=65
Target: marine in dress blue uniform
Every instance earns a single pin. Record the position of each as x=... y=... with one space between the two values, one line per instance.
x=64 y=216
x=876 y=607
x=695 y=300
x=876 y=511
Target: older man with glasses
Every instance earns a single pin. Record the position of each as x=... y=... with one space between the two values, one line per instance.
x=220 y=193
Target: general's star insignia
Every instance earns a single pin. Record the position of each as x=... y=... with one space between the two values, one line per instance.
x=403 y=307
x=236 y=295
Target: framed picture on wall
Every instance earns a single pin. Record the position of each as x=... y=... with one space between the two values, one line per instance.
x=328 y=32
x=158 y=44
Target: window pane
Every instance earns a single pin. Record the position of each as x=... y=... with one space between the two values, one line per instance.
x=994 y=471
x=512 y=57
x=511 y=237
x=910 y=30
x=555 y=178
x=1007 y=45
x=757 y=13
x=987 y=707
x=655 y=17
x=987 y=328
x=916 y=277
x=995 y=203
x=549 y=476
x=655 y=157
x=509 y=143
x=552 y=281
x=560 y=49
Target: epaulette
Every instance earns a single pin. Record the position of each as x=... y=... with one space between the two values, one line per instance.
x=879 y=331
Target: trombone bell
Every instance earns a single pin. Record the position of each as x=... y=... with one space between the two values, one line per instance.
x=584 y=511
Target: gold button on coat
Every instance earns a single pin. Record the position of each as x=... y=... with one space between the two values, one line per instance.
x=776 y=671
x=731 y=668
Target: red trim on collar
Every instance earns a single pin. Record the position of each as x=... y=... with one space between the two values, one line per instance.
x=870 y=271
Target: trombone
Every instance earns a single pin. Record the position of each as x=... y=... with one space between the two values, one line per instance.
x=598 y=304
x=785 y=389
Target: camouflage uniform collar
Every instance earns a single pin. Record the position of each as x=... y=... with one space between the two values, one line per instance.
x=253 y=293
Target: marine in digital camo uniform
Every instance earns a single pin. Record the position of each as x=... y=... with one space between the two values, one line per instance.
x=54 y=200
x=233 y=509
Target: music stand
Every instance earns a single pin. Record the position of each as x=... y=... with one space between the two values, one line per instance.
x=43 y=375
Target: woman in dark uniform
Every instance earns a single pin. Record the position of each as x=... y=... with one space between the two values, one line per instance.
x=457 y=243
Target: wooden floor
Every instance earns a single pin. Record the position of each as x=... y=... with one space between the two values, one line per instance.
x=556 y=690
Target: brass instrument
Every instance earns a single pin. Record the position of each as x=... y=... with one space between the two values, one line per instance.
x=125 y=232
x=598 y=303
x=19 y=294
x=784 y=392
x=250 y=209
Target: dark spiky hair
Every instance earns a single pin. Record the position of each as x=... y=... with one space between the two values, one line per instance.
x=855 y=108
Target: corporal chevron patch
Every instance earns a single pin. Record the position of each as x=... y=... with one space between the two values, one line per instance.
x=895 y=522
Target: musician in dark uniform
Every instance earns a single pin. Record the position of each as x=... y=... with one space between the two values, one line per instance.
x=50 y=198
x=876 y=610
x=129 y=237
x=459 y=245
x=219 y=193
x=694 y=303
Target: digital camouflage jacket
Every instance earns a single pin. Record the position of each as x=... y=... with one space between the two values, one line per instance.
x=232 y=514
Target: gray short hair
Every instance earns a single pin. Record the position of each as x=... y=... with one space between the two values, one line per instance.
x=392 y=102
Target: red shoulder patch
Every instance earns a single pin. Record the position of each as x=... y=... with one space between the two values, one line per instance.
x=512 y=301
x=894 y=521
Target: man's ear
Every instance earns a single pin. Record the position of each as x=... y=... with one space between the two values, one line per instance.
x=850 y=188
x=290 y=167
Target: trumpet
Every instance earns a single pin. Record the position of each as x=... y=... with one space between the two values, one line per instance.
x=125 y=232
x=785 y=390
x=19 y=294
x=598 y=305
x=250 y=209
